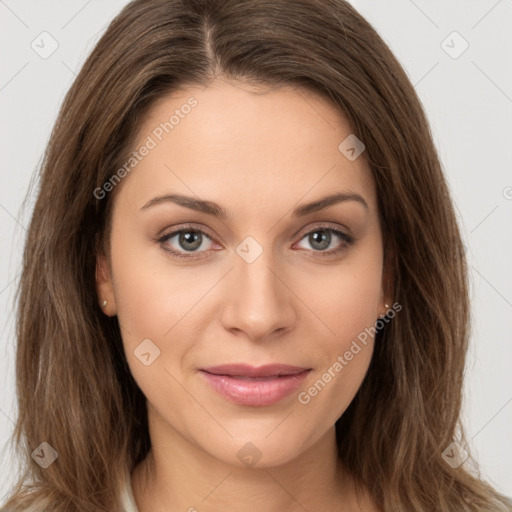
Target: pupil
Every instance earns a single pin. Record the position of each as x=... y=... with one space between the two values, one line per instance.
x=190 y=237
x=323 y=240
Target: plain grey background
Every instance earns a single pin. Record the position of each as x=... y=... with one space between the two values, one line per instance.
x=458 y=56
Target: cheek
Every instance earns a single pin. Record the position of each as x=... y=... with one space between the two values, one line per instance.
x=158 y=303
x=347 y=302
x=346 y=354
x=152 y=293
x=347 y=298
x=151 y=302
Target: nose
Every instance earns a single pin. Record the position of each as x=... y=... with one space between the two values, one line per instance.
x=259 y=301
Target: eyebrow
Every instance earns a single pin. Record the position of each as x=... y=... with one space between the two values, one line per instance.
x=211 y=208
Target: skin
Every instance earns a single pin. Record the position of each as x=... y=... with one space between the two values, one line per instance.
x=258 y=154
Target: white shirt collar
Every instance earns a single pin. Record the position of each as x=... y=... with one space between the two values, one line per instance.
x=127 y=498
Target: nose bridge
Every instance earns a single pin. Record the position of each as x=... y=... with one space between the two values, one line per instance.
x=258 y=302
x=258 y=277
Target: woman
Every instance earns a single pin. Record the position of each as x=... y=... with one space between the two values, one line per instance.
x=244 y=287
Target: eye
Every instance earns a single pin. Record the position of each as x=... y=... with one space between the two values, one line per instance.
x=191 y=242
x=186 y=242
x=326 y=241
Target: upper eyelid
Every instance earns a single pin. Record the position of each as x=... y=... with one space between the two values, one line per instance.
x=324 y=225
x=185 y=227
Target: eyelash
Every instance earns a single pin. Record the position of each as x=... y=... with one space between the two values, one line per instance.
x=347 y=241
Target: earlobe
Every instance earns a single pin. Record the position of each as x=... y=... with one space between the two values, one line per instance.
x=104 y=286
x=388 y=291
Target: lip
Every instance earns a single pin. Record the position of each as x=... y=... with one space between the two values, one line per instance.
x=247 y=385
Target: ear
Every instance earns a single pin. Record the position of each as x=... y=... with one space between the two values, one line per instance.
x=388 y=280
x=104 y=285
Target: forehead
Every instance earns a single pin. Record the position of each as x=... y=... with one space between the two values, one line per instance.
x=238 y=143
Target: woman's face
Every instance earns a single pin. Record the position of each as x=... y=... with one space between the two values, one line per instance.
x=264 y=283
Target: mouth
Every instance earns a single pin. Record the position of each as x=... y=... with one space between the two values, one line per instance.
x=257 y=387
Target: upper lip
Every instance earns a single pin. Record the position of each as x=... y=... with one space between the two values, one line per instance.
x=246 y=370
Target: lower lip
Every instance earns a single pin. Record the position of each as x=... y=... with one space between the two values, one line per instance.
x=255 y=392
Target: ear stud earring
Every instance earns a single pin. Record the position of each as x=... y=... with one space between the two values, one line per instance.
x=104 y=303
x=384 y=314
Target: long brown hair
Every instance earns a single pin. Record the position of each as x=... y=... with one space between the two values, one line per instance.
x=75 y=391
